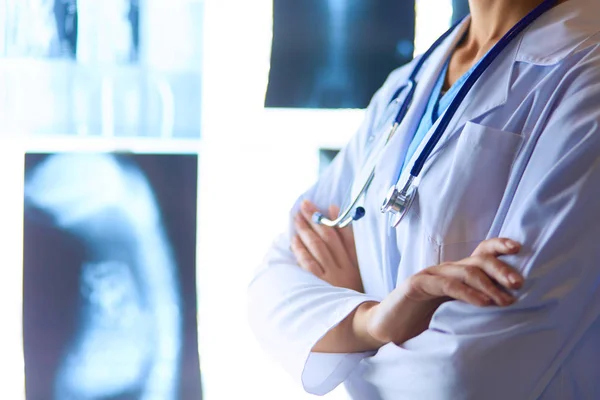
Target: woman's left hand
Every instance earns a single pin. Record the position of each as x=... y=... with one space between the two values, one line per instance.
x=328 y=253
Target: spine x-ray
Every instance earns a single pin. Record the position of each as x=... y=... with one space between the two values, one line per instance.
x=336 y=53
x=109 y=277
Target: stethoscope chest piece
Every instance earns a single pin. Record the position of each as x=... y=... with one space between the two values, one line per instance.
x=398 y=202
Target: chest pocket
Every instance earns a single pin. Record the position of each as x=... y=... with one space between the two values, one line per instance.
x=461 y=193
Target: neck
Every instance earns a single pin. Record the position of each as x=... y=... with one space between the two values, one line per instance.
x=492 y=19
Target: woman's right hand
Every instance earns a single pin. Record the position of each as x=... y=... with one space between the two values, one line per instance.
x=481 y=280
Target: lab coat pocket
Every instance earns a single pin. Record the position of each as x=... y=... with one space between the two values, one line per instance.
x=472 y=181
x=477 y=137
x=457 y=251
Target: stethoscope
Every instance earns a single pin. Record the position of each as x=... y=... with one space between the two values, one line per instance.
x=398 y=202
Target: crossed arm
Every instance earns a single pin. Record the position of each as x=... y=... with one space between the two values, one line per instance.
x=330 y=254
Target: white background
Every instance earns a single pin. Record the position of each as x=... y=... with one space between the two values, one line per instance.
x=253 y=164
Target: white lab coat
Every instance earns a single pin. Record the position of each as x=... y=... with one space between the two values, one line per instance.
x=521 y=159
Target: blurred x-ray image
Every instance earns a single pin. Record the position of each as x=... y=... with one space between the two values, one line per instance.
x=112 y=68
x=336 y=53
x=460 y=9
x=326 y=157
x=109 y=277
x=106 y=31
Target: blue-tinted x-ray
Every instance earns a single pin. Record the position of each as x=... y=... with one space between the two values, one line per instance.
x=336 y=53
x=65 y=13
x=109 y=277
x=326 y=157
x=460 y=10
x=63 y=28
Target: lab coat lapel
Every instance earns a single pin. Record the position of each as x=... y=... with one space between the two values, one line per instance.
x=396 y=150
x=489 y=93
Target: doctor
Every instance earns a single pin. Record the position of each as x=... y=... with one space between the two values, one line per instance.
x=489 y=286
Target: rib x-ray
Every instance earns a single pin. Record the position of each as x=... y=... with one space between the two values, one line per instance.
x=336 y=53
x=109 y=277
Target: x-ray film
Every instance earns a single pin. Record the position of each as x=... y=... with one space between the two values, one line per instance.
x=114 y=68
x=109 y=277
x=336 y=53
x=71 y=29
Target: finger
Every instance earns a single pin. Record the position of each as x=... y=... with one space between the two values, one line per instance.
x=306 y=261
x=330 y=236
x=439 y=286
x=497 y=247
x=498 y=270
x=334 y=212
x=347 y=235
x=476 y=278
x=314 y=244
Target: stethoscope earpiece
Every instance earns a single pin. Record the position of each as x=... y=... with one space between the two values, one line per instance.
x=359 y=213
x=342 y=222
x=317 y=218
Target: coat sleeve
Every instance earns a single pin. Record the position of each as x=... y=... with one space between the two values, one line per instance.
x=514 y=352
x=290 y=309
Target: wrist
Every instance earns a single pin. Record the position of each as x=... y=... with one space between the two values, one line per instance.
x=360 y=326
x=352 y=334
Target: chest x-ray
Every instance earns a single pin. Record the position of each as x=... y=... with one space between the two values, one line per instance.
x=87 y=30
x=336 y=53
x=109 y=277
x=108 y=68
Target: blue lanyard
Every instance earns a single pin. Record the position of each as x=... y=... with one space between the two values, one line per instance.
x=467 y=85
